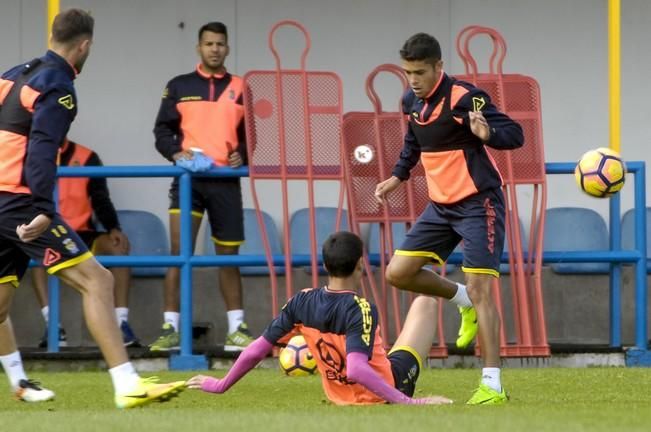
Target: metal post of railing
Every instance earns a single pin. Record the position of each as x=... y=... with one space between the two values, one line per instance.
x=640 y=267
x=53 y=295
x=186 y=360
x=53 y=290
x=640 y=354
x=615 y=309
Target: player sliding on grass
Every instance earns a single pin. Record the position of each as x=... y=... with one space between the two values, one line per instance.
x=342 y=332
x=37 y=106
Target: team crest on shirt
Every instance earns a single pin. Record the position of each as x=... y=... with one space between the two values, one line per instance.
x=70 y=246
x=478 y=103
x=231 y=94
x=67 y=102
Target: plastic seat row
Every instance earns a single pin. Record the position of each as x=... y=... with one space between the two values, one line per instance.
x=567 y=228
x=575 y=228
x=148 y=236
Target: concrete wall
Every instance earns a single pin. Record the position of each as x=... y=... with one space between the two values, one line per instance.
x=140 y=44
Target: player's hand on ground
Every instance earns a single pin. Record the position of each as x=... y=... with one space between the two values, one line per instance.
x=196 y=381
x=431 y=400
x=479 y=125
x=205 y=383
x=34 y=229
x=235 y=160
x=382 y=189
x=185 y=154
x=120 y=241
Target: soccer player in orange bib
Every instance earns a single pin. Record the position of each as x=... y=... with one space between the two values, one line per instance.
x=450 y=124
x=37 y=105
x=201 y=118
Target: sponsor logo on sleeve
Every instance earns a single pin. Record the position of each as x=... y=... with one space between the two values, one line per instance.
x=478 y=103
x=67 y=102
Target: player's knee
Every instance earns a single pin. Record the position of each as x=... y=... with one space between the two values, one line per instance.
x=4 y=313
x=479 y=293
x=105 y=277
x=113 y=249
x=6 y=295
x=100 y=281
x=398 y=275
x=426 y=304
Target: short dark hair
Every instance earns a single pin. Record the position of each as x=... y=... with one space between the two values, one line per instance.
x=72 y=24
x=423 y=47
x=341 y=252
x=215 y=27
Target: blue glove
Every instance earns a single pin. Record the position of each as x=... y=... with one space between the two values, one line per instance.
x=198 y=163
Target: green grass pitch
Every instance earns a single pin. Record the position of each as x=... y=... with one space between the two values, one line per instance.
x=592 y=399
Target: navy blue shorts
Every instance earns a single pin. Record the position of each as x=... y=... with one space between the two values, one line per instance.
x=57 y=248
x=477 y=220
x=222 y=199
x=405 y=367
x=89 y=237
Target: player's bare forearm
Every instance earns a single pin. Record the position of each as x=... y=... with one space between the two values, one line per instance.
x=34 y=229
x=385 y=187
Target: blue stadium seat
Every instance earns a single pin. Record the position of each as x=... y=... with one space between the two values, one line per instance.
x=299 y=229
x=253 y=244
x=147 y=236
x=399 y=230
x=628 y=233
x=576 y=229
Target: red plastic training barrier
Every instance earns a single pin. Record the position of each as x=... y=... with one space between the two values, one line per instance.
x=293 y=126
x=519 y=97
x=373 y=141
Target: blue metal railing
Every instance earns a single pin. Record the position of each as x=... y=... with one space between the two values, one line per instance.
x=185 y=359
x=186 y=261
x=616 y=256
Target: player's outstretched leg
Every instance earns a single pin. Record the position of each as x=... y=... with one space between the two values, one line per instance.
x=148 y=390
x=490 y=390
x=485 y=395
x=31 y=391
x=406 y=272
x=95 y=283
x=469 y=327
x=24 y=389
x=419 y=328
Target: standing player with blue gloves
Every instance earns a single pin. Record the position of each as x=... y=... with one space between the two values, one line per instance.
x=200 y=122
